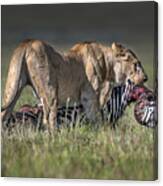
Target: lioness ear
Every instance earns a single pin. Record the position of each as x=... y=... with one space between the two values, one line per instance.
x=117 y=47
x=114 y=46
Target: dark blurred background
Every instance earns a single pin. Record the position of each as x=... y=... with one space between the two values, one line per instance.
x=131 y=23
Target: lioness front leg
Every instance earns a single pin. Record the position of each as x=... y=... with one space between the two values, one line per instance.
x=90 y=104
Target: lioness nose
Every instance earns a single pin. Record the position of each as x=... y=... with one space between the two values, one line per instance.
x=145 y=78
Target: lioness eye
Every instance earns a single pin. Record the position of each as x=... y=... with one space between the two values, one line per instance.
x=139 y=70
x=136 y=67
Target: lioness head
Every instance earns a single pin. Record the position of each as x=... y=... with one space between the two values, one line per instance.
x=127 y=66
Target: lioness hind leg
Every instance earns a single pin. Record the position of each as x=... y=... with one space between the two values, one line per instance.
x=49 y=104
x=53 y=114
x=47 y=95
x=49 y=110
x=43 y=81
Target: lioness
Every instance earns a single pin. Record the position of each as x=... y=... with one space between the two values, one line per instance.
x=54 y=79
x=105 y=66
x=86 y=74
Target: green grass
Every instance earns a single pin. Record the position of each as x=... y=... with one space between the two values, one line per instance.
x=82 y=152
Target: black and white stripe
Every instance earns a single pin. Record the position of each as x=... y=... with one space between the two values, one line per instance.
x=117 y=103
x=70 y=115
